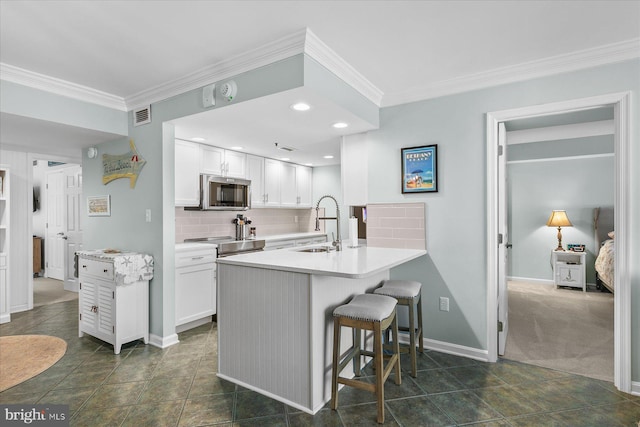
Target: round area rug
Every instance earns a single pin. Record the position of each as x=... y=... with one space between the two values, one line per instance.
x=25 y=356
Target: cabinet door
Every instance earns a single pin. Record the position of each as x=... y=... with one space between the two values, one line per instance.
x=304 y=186
x=255 y=173
x=272 y=170
x=87 y=306
x=195 y=293
x=288 y=189
x=212 y=160
x=106 y=310
x=235 y=164
x=187 y=177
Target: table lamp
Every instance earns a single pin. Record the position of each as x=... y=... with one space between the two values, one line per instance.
x=559 y=219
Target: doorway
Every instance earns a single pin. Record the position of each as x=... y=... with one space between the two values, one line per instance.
x=57 y=229
x=622 y=307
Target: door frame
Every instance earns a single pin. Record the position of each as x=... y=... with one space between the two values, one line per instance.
x=622 y=205
x=30 y=158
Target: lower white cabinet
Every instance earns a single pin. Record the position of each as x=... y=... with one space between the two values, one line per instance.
x=271 y=245
x=113 y=313
x=195 y=288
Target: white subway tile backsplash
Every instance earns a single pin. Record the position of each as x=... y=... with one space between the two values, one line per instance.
x=392 y=225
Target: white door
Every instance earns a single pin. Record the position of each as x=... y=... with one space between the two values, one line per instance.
x=503 y=297
x=73 y=243
x=56 y=226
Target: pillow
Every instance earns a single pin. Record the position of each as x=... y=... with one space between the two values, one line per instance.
x=611 y=234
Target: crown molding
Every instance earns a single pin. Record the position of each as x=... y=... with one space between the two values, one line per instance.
x=328 y=58
x=65 y=88
x=269 y=53
x=587 y=58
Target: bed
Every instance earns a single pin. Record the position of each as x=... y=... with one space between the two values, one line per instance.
x=605 y=238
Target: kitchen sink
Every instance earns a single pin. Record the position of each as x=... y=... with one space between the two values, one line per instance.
x=314 y=250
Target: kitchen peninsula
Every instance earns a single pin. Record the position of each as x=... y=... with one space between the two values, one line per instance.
x=275 y=324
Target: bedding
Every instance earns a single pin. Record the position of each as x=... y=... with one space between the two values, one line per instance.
x=604 y=264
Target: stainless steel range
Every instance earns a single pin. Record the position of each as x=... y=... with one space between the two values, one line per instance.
x=228 y=246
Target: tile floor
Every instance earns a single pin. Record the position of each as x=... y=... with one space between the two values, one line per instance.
x=146 y=386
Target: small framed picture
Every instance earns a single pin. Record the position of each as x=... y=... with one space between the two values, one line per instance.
x=420 y=169
x=99 y=205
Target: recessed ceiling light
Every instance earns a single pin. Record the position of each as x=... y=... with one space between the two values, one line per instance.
x=236 y=148
x=308 y=164
x=340 y=125
x=328 y=157
x=285 y=158
x=198 y=139
x=300 y=106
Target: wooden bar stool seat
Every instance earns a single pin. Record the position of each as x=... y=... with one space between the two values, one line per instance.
x=371 y=313
x=408 y=293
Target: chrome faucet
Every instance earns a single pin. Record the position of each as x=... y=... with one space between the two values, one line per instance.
x=336 y=243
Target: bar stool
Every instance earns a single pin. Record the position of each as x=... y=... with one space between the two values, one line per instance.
x=408 y=293
x=371 y=313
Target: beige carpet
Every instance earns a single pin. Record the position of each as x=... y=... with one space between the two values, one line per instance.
x=25 y=356
x=50 y=291
x=563 y=329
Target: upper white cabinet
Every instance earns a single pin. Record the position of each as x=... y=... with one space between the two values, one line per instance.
x=272 y=170
x=255 y=173
x=304 y=186
x=218 y=161
x=273 y=183
x=187 y=175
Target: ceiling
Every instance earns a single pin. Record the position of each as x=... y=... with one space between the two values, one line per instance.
x=404 y=48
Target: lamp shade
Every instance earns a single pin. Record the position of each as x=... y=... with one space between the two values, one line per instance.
x=559 y=219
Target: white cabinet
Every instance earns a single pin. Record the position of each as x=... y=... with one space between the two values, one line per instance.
x=304 y=186
x=218 y=161
x=5 y=305
x=255 y=173
x=113 y=313
x=288 y=190
x=195 y=287
x=187 y=176
x=287 y=185
x=272 y=182
x=569 y=269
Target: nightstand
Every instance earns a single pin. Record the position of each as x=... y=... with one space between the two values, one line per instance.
x=569 y=269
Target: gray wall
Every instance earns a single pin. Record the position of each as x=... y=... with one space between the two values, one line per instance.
x=456 y=215
x=537 y=186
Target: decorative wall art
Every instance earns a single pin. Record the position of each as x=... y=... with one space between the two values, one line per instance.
x=99 y=205
x=420 y=169
x=126 y=165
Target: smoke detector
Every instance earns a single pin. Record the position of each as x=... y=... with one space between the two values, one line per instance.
x=228 y=90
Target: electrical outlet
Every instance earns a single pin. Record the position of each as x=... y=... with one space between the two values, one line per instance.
x=295 y=219
x=444 y=304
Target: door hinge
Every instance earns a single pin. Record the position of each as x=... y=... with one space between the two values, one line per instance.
x=46 y=264
x=500 y=327
x=500 y=150
x=80 y=316
x=113 y=329
x=113 y=295
x=499 y=238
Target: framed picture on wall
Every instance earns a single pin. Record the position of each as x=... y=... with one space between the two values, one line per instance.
x=420 y=169
x=99 y=205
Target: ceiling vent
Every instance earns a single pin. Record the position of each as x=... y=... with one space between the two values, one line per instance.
x=142 y=116
x=284 y=147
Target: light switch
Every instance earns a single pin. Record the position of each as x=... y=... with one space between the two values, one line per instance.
x=444 y=304
x=148 y=215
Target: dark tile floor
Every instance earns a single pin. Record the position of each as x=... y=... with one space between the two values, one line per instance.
x=146 y=386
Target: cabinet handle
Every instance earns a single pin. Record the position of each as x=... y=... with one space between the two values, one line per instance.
x=105 y=270
x=84 y=266
x=197 y=257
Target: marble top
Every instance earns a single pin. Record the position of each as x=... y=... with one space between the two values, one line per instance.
x=350 y=262
x=129 y=267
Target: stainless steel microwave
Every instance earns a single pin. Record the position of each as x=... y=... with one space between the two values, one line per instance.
x=224 y=193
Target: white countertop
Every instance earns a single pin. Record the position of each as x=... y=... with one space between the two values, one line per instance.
x=184 y=247
x=350 y=262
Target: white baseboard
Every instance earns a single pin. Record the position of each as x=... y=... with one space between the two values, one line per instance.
x=455 y=349
x=635 y=388
x=528 y=279
x=193 y=324
x=5 y=318
x=163 y=342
